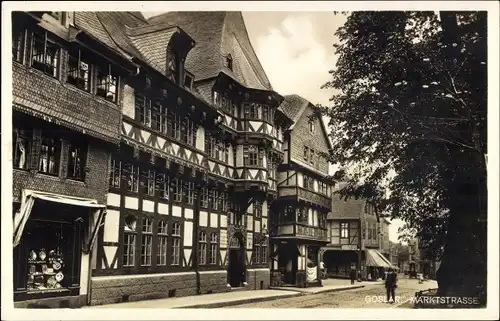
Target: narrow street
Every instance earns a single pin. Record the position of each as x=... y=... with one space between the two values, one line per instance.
x=371 y=296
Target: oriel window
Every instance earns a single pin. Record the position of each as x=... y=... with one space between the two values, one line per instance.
x=44 y=53
x=77 y=160
x=78 y=70
x=107 y=83
x=50 y=149
x=252 y=157
x=22 y=139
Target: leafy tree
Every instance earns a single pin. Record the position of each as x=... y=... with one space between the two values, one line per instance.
x=409 y=129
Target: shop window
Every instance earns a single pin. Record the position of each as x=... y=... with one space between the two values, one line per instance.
x=204 y=198
x=23 y=139
x=178 y=189
x=77 y=160
x=52 y=261
x=344 y=230
x=202 y=250
x=115 y=173
x=190 y=193
x=212 y=254
x=176 y=243
x=17 y=42
x=131 y=173
x=257 y=210
x=147 y=241
x=50 y=149
x=163 y=185
x=161 y=254
x=78 y=70
x=129 y=241
x=107 y=83
x=143 y=109
x=44 y=53
x=148 y=186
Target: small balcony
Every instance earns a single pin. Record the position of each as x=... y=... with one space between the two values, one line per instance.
x=303 y=231
x=303 y=194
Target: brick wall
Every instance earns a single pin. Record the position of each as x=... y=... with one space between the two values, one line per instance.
x=257 y=278
x=301 y=136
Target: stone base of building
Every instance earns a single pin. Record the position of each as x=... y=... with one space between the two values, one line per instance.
x=128 y=288
x=53 y=303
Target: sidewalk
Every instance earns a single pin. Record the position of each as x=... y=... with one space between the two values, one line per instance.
x=228 y=299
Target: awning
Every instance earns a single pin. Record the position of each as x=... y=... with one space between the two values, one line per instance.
x=382 y=256
x=28 y=200
x=373 y=258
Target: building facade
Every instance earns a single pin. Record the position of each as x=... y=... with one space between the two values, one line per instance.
x=66 y=119
x=298 y=215
x=159 y=159
x=355 y=239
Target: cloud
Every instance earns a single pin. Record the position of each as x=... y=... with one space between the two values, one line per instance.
x=294 y=60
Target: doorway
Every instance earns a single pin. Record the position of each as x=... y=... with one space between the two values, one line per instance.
x=236 y=266
x=288 y=262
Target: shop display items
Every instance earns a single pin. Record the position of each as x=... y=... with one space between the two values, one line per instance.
x=44 y=270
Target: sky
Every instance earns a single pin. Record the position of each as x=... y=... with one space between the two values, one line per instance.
x=296 y=52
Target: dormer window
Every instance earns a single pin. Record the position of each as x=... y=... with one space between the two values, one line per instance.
x=312 y=127
x=188 y=81
x=172 y=65
x=229 y=62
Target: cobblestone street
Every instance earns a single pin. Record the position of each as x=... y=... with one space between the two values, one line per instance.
x=371 y=296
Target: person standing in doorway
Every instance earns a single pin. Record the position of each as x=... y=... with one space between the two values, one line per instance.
x=391 y=285
x=352 y=275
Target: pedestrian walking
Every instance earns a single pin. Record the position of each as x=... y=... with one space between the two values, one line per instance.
x=323 y=270
x=390 y=285
x=352 y=275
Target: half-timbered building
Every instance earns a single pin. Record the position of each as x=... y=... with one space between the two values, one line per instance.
x=192 y=180
x=66 y=98
x=299 y=214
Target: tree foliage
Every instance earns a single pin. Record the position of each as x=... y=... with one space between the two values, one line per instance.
x=409 y=122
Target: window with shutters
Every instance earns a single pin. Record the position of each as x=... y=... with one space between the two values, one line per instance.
x=22 y=141
x=107 y=82
x=49 y=157
x=78 y=73
x=212 y=253
x=162 y=235
x=77 y=160
x=176 y=243
x=202 y=248
x=147 y=242
x=44 y=53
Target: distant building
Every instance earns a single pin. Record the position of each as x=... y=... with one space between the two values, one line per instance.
x=355 y=239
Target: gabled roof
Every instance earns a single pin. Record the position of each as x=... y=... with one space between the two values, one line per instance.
x=293 y=106
x=351 y=208
x=218 y=34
